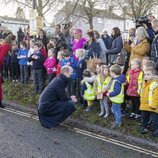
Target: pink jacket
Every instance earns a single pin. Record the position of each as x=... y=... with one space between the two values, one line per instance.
x=78 y=44
x=50 y=65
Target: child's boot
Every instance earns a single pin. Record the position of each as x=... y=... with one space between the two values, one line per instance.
x=107 y=111
x=102 y=110
x=89 y=109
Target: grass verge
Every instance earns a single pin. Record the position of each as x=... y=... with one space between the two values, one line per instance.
x=24 y=95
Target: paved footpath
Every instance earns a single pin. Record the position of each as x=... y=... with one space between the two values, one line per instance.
x=22 y=137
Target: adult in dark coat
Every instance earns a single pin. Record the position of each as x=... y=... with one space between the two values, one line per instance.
x=20 y=35
x=154 y=46
x=92 y=47
x=117 y=45
x=107 y=39
x=54 y=105
x=43 y=38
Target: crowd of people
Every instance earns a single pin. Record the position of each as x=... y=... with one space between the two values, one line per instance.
x=97 y=74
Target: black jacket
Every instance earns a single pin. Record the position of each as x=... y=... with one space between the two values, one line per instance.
x=107 y=41
x=37 y=63
x=54 y=105
x=92 y=49
x=154 y=48
x=55 y=91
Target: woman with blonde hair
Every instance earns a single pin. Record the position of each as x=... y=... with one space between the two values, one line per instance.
x=140 y=46
x=127 y=47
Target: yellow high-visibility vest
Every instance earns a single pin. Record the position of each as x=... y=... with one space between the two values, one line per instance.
x=89 y=92
x=151 y=91
x=100 y=85
x=140 y=80
x=120 y=97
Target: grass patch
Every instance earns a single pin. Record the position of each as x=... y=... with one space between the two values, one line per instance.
x=20 y=93
x=24 y=95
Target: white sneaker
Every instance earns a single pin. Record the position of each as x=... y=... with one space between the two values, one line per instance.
x=132 y=115
x=106 y=115
x=101 y=114
x=137 y=116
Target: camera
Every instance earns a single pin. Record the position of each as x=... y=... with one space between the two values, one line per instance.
x=66 y=26
x=142 y=20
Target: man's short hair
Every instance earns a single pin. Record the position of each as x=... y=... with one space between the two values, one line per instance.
x=116 y=69
x=66 y=69
x=38 y=44
x=66 y=53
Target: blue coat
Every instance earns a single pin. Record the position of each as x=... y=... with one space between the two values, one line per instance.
x=73 y=64
x=117 y=45
x=24 y=52
x=54 y=105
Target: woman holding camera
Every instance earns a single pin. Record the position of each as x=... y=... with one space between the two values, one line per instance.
x=140 y=46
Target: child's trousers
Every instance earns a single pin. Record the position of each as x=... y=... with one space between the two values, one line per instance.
x=135 y=105
x=145 y=118
x=104 y=106
x=116 y=110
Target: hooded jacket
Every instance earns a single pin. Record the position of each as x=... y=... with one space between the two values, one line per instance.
x=118 y=84
x=133 y=83
x=145 y=98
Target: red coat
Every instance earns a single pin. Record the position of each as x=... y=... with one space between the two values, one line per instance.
x=4 y=49
x=44 y=53
x=133 y=82
x=58 y=68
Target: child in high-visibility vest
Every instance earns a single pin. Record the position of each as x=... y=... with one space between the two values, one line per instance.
x=134 y=84
x=116 y=93
x=149 y=101
x=101 y=85
x=87 y=90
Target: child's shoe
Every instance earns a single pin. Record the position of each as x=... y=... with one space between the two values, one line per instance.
x=89 y=109
x=132 y=115
x=144 y=130
x=1 y=105
x=137 y=116
x=106 y=115
x=115 y=126
x=101 y=114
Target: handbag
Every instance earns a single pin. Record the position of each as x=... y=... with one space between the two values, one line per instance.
x=121 y=57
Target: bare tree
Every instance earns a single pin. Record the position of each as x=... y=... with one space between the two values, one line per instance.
x=42 y=6
x=135 y=8
x=85 y=9
x=20 y=13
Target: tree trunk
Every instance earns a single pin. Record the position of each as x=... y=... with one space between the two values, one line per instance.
x=91 y=23
x=40 y=8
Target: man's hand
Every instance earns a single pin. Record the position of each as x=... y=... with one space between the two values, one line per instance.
x=73 y=98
